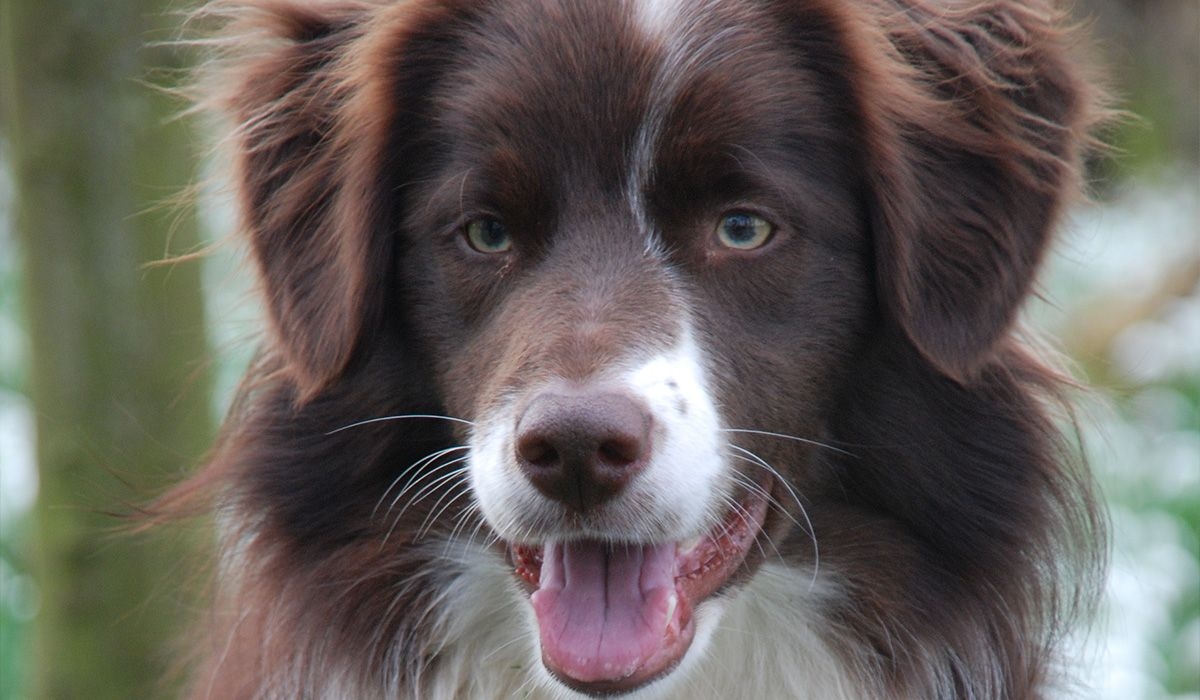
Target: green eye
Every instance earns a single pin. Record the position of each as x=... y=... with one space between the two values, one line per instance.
x=488 y=235
x=742 y=231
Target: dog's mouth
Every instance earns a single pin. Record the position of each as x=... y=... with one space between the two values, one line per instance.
x=614 y=617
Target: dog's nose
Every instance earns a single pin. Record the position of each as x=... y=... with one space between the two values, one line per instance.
x=582 y=448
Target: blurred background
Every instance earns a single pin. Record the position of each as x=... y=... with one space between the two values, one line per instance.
x=114 y=372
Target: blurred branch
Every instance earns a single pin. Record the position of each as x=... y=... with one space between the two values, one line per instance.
x=1092 y=331
x=114 y=346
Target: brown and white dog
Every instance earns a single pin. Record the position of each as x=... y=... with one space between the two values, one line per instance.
x=659 y=347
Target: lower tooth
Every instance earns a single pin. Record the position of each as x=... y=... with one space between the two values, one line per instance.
x=672 y=602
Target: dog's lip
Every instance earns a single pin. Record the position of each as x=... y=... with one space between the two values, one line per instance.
x=703 y=566
x=724 y=547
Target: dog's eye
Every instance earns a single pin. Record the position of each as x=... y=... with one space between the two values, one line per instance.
x=488 y=235
x=742 y=231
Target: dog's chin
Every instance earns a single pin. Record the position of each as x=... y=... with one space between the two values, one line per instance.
x=613 y=617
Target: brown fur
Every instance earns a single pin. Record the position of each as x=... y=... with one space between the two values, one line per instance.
x=919 y=157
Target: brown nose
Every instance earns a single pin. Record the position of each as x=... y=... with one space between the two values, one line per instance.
x=582 y=448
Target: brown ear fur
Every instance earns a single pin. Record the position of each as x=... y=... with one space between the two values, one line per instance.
x=975 y=150
x=311 y=127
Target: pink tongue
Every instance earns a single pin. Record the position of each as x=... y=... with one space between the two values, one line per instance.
x=606 y=610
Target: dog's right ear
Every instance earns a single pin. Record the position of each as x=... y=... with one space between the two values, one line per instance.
x=977 y=116
x=307 y=88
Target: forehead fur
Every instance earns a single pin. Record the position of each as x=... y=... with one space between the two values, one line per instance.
x=547 y=97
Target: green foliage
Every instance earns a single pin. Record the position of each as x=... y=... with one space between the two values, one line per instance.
x=17 y=601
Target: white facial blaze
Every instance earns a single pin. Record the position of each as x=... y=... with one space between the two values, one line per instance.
x=687 y=37
x=657 y=17
x=676 y=496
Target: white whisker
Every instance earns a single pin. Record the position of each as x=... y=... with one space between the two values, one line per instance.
x=430 y=486
x=427 y=459
x=438 y=509
x=772 y=502
x=408 y=416
x=759 y=461
x=420 y=495
x=806 y=441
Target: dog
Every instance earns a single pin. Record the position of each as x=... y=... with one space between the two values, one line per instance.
x=655 y=348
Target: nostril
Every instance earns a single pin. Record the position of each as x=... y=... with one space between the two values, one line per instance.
x=537 y=451
x=621 y=451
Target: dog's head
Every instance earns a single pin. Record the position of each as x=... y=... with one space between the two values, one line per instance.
x=655 y=253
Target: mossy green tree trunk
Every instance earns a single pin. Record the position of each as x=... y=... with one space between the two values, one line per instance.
x=117 y=348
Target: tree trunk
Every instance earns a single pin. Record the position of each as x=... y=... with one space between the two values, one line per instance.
x=117 y=377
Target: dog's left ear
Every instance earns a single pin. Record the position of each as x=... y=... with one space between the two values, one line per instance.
x=306 y=87
x=976 y=130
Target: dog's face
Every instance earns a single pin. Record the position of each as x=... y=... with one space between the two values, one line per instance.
x=661 y=261
x=635 y=248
